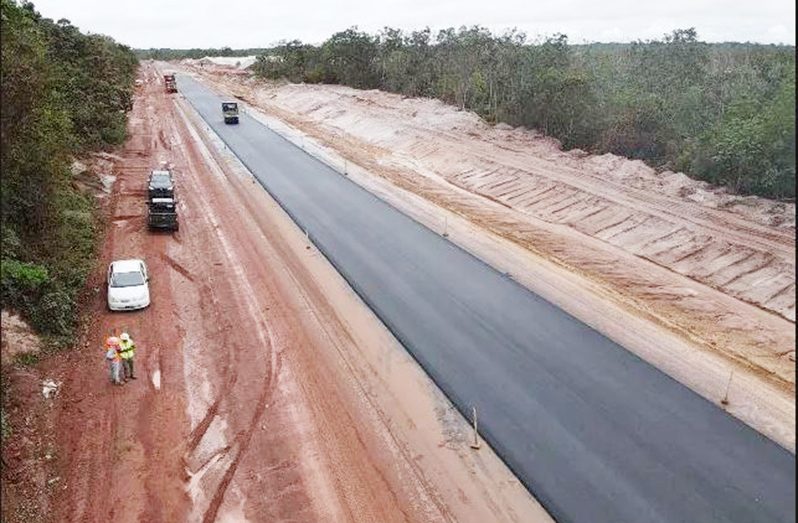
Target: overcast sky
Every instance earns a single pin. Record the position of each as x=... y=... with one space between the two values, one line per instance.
x=255 y=23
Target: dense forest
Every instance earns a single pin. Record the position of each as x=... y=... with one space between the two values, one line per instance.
x=64 y=94
x=719 y=112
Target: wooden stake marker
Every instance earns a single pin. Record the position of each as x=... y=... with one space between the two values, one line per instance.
x=725 y=400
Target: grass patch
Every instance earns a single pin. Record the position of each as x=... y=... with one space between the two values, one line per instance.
x=27 y=359
x=5 y=426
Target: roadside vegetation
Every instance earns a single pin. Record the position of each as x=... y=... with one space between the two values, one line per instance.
x=64 y=94
x=723 y=113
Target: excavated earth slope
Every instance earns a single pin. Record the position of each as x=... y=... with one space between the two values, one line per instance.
x=741 y=246
x=716 y=268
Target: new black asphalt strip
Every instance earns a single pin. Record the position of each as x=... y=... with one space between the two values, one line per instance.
x=595 y=433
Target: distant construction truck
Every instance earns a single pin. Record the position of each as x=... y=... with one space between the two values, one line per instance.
x=160 y=184
x=230 y=111
x=161 y=200
x=162 y=214
x=170 y=83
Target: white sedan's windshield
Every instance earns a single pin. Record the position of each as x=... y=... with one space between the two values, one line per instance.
x=126 y=279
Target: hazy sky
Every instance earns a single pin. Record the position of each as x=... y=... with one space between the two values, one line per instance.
x=253 y=23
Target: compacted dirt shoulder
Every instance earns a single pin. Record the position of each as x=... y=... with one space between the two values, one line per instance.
x=709 y=271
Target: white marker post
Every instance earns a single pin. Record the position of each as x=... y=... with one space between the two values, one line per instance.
x=475 y=445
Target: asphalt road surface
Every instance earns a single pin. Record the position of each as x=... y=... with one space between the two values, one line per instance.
x=595 y=433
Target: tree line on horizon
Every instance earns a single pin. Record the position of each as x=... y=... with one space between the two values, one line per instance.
x=195 y=53
x=723 y=113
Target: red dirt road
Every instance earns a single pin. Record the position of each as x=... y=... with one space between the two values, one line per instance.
x=242 y=411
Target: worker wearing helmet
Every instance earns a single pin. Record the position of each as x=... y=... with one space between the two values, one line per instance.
x=113 y=358
x=127 y=349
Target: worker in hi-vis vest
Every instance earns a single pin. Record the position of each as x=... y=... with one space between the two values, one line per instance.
x=127 y=350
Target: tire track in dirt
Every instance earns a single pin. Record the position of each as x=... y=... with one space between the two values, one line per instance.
x=243 y=442
x=242 y=439
x=199 y=431
x=321 y=310
x=177 y=267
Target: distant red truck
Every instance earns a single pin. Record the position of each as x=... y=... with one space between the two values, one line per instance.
x=170 y=83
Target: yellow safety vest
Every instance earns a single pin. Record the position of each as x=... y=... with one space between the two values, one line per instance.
x=127 y=349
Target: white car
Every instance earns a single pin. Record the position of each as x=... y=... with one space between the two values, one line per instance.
x=128 y=287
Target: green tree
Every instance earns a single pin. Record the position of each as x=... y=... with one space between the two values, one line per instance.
x=64 y=93
x=349 y=58
x=721 y=112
